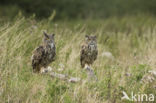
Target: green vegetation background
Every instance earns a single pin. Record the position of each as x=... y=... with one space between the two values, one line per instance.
x=77 y=8
x=131 y=40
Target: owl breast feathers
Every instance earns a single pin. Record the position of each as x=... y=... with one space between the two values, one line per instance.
x=89 y=51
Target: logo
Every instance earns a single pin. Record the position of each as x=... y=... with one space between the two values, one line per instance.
x=138 y=97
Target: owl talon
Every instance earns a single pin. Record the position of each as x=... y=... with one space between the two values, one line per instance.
x=46 y=70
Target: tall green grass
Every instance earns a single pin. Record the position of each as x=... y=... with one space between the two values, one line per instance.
x=131 y=40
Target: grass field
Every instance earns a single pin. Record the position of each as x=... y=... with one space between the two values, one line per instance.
x=131 y=41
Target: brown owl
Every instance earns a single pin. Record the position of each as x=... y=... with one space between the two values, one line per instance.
x=89 y=51
x=44 y=54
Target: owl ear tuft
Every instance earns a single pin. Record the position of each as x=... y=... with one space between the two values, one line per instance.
x=45 y=34
x=87 y=36
x=53 y=35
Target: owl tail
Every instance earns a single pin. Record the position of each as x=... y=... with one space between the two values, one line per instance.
x=36 y=68
x=82 y=65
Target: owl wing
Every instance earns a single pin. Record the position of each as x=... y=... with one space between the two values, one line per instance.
x=83 y=55
x=37 y=56
x=95 y=55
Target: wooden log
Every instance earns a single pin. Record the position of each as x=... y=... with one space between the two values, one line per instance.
x=74 y=80
x=60 y=76
x=91 y=74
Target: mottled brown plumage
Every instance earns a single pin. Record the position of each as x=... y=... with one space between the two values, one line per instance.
x=89 y=51
x=44 y=54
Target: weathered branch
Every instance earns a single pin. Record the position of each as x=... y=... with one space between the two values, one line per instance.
x=65 y=77
x=90 y=72
x=60 y=76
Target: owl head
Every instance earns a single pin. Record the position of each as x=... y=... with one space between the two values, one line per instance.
x=49 y=39
x=90 y=39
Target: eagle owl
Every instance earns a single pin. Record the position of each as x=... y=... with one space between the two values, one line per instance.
x=89 y=51
x=44 y=54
